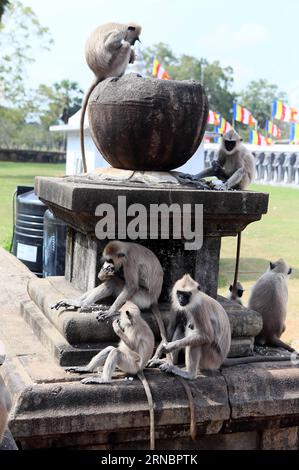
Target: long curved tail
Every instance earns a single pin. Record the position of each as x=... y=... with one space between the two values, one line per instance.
x=149 y=397
x=82 y=117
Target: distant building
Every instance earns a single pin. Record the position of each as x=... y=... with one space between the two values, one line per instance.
x=73 y=152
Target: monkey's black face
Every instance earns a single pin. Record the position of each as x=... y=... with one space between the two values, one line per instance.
x=183 y=297
x=132 y=35
x=229 y=145
x=290 y=271
x=240 y=292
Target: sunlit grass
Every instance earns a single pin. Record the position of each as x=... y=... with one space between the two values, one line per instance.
x=11 y=175
x=275 y=236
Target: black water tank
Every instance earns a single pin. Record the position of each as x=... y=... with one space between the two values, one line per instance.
x=54 y=245
x=28 y=233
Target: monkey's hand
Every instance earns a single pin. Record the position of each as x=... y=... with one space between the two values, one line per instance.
x=116 y=327
x=168 y=347
x=66 y=303
x=94 y=380
x=77 y=369
x=132 y=57
x=105 y=314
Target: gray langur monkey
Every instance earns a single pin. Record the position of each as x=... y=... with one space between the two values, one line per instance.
x=269 y=297
x=108 y=52
x=130 y=272
x=239 y=293
x=235 y=165
x=133 y=352
x=207 y=336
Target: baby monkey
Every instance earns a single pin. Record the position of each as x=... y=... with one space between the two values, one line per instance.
x=133 y=352
x=135 y=348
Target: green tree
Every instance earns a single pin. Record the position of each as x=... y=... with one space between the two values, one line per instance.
x=58 y=102
x=18 y=31
x=258 y=97
x=217 y=80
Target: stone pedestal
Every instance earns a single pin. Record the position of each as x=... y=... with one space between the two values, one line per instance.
x=74 y=337
x=225 y=213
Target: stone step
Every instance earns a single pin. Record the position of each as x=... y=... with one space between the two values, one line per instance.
x=79 y=328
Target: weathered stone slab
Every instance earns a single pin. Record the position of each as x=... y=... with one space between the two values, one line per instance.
x=241 y=347
x=77 y=327
x=280 y=439
x=264 y=390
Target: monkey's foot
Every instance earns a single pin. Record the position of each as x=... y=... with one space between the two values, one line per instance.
x=66 y=303
x=171 y=369
x=155 y=362
x=168 y=368
x=94 y=380
x=223 y=187
x=77 y=370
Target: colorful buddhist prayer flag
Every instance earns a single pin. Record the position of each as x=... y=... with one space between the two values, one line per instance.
x=283 y=112
x=294 y=132
x=159 y=71
x=224 y=126
x=257 y=138
x=241 y=114
x=213 y=118
x=272 y=129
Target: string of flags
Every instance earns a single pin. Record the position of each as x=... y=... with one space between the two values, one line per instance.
x=223 y=126
x=213 y=118
x=159 y=71
x=280 y=112
x=244 y=116
x=273 y=129
x=294 y=132
x=258 y=139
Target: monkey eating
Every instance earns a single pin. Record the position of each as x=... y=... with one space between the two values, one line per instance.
x=130 y=272
x=235 y=165
x=207 y=336
x=133 y=352
x=108 y=52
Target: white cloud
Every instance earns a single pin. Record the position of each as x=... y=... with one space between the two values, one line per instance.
x=251 y=34
x=224 y=38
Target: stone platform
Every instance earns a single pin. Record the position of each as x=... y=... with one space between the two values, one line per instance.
x=242 y=407
x=74 y=337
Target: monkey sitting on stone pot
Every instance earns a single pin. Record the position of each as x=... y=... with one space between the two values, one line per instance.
x=235 y=165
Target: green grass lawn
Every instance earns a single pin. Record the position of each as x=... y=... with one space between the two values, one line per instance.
x=275 y=236
x=14 y=174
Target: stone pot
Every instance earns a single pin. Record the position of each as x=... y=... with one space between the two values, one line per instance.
x=147 y=124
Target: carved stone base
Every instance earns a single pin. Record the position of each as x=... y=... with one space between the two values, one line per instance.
x=73 y=337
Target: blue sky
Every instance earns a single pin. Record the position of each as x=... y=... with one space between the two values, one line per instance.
x=259 y=39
